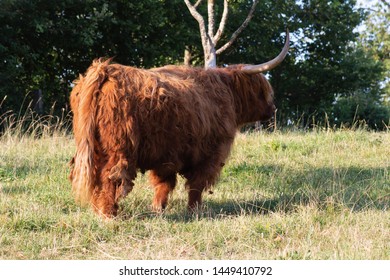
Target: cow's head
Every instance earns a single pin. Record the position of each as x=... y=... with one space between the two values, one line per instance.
x=261 y=95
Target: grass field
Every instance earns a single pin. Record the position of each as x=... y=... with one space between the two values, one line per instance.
x=291 y=195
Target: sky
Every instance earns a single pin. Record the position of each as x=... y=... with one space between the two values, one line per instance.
x=367 y=3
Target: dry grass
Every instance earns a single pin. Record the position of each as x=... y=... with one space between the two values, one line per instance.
x=291 y=195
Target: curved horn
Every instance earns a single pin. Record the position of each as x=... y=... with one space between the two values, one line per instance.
x=253 y=69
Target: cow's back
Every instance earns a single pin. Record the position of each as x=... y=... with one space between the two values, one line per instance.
x=181 y=124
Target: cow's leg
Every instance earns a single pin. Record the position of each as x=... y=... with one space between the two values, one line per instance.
x=103 y=199
x=205 y=174
x=195 y=194
x=163 y=184
x=202 y=179
x=115 y=180
x=199 y=180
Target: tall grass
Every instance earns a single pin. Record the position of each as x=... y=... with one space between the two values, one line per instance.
x=322 y=194
x=30 y=124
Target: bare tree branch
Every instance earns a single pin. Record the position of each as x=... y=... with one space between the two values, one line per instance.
x=222 y=24
x=207 y=43
x=210 y=11
x=240 y=29
x=197 y=3
x=200 y=20
x=208 y=38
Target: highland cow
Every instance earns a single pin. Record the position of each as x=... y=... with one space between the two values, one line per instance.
x=169 y=120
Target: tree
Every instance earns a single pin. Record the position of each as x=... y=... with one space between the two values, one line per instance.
x=376 y=40
x=326 y=65
x=210 y=37
x=46 y=44
x=323 y=65
x=369 y=99
x=363 y=101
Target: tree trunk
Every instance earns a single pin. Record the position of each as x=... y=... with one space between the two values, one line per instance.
x=210 y=58
x=187 y=56
x=208 y=35
x=38 y=101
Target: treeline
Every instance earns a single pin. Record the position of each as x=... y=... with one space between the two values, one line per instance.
x=333 y=73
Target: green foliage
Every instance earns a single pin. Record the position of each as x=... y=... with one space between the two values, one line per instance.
x=324 y=63
x=308 y=85
x=361 y=107
x=46 y=44
x=376 y=39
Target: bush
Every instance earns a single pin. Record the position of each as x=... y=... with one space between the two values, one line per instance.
x=361 y=107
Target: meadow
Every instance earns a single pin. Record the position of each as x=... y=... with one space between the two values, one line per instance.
x=322 y=194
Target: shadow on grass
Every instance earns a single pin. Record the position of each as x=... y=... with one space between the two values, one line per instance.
x=353 y=187
x=209 y=210
x=281 y=189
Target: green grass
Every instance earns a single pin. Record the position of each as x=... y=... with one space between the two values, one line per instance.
x=291 y=195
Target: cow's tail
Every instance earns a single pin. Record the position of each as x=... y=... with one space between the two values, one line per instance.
x=83 y=173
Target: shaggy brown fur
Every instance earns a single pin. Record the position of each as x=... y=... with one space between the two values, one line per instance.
x=170 y=120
